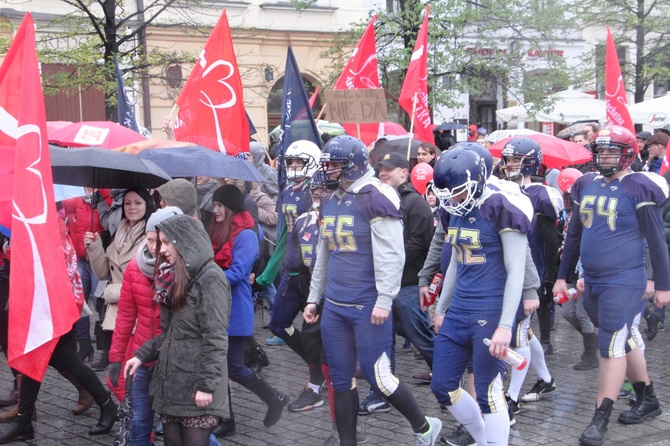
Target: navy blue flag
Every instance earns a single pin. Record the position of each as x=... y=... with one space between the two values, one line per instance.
x=297 y=120
x=126 y=113
x=252 y=129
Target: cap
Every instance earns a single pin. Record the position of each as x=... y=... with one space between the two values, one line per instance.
x=393 y=160
x=657 y=138
x=644 y=135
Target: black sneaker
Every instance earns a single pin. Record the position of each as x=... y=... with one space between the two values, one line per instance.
x=512 y=405
x=458 y=437
x=307 y=400
x=539 y=389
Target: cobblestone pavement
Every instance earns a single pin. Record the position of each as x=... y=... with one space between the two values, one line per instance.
x=556 y=420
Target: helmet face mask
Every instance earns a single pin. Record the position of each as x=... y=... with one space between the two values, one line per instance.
x=343 y=158
x=614 y=149
x=459 y=178
x=527 y=151
x=460 y=200
x=308 y=153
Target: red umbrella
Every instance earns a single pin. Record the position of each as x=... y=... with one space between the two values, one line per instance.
x=392 y=128
x=105 y=134
x=555 y=151
x=54 y=126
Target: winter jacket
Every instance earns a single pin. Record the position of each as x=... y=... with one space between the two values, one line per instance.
x=82 y=217
x=245 y=251
x=193 y=344
x=110 y=265
x=181 y=193
x=267 y=213
x=271 y=186
x=417 y=232
x=138 y=319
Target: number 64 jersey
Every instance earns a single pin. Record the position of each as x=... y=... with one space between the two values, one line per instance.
x=612 y=244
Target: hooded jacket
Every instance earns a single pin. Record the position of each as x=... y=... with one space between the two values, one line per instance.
x=193 y=345
x=271 y=185
x=181 y=193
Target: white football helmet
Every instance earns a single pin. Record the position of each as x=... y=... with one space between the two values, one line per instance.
x=306 y=151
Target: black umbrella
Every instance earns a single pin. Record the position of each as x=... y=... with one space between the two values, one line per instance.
x=384 y=146
x=450 y=126
x=125 y=414
x=194 y=161
x=102 y=168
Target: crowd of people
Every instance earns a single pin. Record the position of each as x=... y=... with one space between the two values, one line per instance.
x=176 y=274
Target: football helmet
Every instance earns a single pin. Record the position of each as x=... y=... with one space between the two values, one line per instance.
x=529 y=150
x=353 y=156
x=567 y=178
x=614 y=137
x=306 y=151
x=459 y=178
x=481 y=151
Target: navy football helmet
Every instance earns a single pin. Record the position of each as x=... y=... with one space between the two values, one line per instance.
x=614 y=137
x=529 y=150
x=480 y=150
x=459 y=178
x=351 y=153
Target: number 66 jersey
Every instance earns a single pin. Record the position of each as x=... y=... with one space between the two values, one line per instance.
x=612 y=244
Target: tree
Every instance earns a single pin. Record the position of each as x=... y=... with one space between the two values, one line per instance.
x=644 y=27
x=474 y=44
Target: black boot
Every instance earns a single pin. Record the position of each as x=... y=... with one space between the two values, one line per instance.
x=256 y=359
x=227 y=426
x=276 y=401
x=107 y=418
x=590 y=357
x=86 y=352
x=646 y=405
x=102 y=362
x=21 y=429
x=594 y=435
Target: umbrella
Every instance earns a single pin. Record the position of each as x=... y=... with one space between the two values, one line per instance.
x=574 y=128
x=196 y=161
x=153 y=143
x=515 y=114
x=496 y=136
x=101 y=168
x=655 y=112
x=384 y=146
x=393 y=129
x=53 y=126
x=450 y=126
x=556 y=152
x=572 y=105
x=125 y=414
x=105 y=134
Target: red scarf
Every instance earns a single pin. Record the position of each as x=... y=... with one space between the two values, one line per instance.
x=224 y=256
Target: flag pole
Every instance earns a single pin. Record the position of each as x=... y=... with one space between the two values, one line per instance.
x=358 y=129
x=321 y=112
x=411 y=126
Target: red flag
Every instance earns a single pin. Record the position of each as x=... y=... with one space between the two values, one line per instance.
x=211 y=104
x=42 y=305
x=362 y=72
x=414 y=93
x=312 y=99
x=616 y=103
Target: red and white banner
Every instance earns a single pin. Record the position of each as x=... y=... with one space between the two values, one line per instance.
x=42 y=305
x=616 y=103
x=362 y=72
x=211 y=104
x=414 y=93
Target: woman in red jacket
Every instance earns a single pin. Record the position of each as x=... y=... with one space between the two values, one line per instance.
x=138 y=320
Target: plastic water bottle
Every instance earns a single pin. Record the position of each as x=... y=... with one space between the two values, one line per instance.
x=562 y=298
x=512 y=358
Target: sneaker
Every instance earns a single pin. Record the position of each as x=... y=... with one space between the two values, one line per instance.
x=512 y=405
x=407 y=346
x=539 y=389
x=661 y=326
x=373 y=404
x=547 y=348
x=425 y=377
x=430 y=437
x=276 y=340
x=626 y=390
x=307 y=400
x=458 y=437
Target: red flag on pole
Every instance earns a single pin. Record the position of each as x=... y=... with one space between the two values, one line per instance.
x=414 y=93
x=42 y=305
x=362 y=72
x=211 y=104
x=616 y=102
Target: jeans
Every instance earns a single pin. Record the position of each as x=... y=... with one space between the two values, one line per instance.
x=142 y=422
x=411 y=322
x=89 y=282
x=237 y=371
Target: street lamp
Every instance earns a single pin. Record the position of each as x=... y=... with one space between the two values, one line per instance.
x=269 y=74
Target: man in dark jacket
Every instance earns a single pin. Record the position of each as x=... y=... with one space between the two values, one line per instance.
x=417 y=218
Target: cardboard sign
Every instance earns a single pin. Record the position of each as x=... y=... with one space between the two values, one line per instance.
x=356 y=106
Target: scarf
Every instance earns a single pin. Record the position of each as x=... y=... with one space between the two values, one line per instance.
x=125 y=237
x=145 y=260
x=164 y=284
x=224 y=255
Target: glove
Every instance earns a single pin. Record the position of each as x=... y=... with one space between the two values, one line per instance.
x=114 y=372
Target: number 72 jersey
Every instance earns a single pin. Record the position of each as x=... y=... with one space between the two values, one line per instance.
x=612 y=244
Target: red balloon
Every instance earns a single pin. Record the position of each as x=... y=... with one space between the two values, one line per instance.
x=422 y=174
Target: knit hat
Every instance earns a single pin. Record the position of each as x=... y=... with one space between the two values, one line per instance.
x=161 y=215
x=231 y=197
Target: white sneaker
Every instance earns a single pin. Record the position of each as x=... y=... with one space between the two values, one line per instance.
x=430 y=437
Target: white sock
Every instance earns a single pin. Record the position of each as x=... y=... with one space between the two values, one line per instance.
x=538 y=364
x=466 y=411
x=519 y=376
x=497 y=428
x=314 y=387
